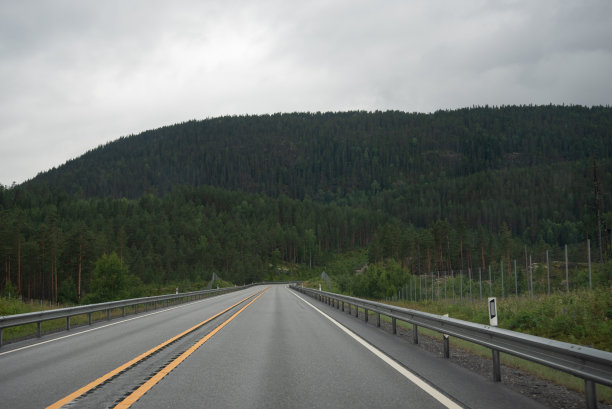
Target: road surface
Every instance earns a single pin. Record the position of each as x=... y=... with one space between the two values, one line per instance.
x=263 y=347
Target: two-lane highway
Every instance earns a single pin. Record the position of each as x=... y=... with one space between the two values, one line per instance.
x=274 y=348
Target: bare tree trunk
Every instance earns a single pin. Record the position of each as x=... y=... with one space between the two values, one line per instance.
x=80 y=263
x=18 y=263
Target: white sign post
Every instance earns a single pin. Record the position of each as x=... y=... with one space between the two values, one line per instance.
x=493 y=323
x=493 y=311
x=446 y=341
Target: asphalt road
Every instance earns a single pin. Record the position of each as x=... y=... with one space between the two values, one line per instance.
x=283 y=350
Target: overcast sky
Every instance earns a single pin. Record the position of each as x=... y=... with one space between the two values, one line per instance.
x=75 y=74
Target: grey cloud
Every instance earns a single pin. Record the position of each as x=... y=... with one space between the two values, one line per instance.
x=77 y=74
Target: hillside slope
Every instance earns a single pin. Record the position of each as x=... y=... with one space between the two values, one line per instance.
x=309 y=154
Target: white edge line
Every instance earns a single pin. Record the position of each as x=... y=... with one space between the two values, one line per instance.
x=436 y=394
x=100 y=327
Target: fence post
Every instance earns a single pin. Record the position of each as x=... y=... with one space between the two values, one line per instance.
x=445 y=280
x=548 y=272
x=515 y=279
x=470 y=282
x=566 y=271
x=461 y=284
x=480 y=280
x=589 y=252
x=531 y=275
x=432 y=286
x=410 y=289
x=501 y=265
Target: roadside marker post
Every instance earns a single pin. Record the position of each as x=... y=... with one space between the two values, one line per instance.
x=493 y=322
x=446 y=340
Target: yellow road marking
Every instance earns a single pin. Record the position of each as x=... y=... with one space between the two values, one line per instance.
x=139 y=358
x=144 y=388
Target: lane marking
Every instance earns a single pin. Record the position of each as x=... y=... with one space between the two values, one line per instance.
x=433 y=392
x=103 y=326
x=144 y=388
x=104 y=378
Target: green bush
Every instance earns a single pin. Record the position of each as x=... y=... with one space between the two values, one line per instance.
x=112 y=281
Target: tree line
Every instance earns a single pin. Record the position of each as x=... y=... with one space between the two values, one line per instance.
x=185 y=235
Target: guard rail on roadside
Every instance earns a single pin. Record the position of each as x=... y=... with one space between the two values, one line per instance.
x=40 y=316
x=592 y=365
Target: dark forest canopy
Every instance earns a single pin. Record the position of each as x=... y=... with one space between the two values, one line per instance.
x=478 y=165
x=241 y=195
x=315 y=154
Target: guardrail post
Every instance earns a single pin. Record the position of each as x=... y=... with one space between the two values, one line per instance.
x=123 y=311
x=415 y=334
x=89 y=318
x=446 y=340
x=0 y=337
x=108 y=314
x=394 y=325
x=378 y=319
x=365 y=312
x=356 y=311
x=342 y=306
x=68 y=323
x=38 y=329
x=496 y=367
x=146 y=307
x=590 y=393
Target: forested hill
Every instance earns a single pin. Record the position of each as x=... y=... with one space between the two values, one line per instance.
x=527 y=167
x=243 y=196
x=331 y=155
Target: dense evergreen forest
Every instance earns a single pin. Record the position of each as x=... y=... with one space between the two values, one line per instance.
x=248 y=196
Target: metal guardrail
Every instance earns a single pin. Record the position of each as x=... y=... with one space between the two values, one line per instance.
x=40 y=316
x=592 y=365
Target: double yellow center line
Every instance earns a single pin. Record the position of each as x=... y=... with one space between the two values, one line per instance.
x=144 y=388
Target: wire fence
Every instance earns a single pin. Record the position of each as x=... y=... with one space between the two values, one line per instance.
x=551 y=272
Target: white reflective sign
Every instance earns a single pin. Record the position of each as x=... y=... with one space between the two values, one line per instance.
x=493 y=311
